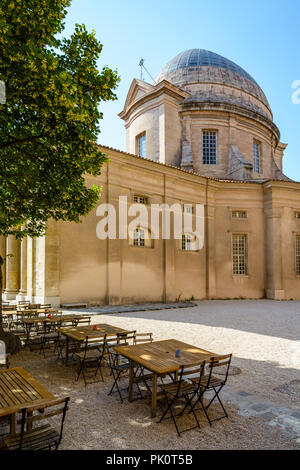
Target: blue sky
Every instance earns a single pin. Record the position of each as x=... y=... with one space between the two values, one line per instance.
x=262 y=36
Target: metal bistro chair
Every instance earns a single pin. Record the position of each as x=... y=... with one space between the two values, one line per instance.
x=90 y=356
x=183 y=389
x=61 y=340
x=119 y=366
x=40 y=437
x=142 y=338
x=50 y=336
x=215 y=384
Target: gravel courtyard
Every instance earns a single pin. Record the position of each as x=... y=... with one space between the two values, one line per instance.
x=262 y=400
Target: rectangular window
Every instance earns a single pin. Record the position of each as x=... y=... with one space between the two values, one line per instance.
x=239 y=214
x=140 y=199
x=141 y=145
x=240 y=254
x=256 y=157
x=209 y=144
x=297 y=215
x=297 y=255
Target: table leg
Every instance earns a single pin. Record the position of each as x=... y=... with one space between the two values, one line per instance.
x=13 y=424
x=130 y=381
x=154 y=396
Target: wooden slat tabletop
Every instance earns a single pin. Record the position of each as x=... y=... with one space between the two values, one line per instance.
x=54 y=318
x=79 y=333
x=159 y=356
x=27 y=313
x=18 y=389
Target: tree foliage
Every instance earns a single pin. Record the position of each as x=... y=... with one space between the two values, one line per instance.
x=50 y=122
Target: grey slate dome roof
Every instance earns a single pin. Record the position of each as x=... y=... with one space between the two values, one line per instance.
x=202 y=66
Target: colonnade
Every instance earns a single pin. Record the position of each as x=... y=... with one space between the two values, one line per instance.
x=24 y=271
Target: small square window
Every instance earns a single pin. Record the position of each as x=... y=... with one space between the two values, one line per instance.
x=139 y=199
x=239 y=214
x=188 y=208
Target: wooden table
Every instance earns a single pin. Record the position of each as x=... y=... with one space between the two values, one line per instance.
x=80 y=333
x=159 y=358
x=18 y=389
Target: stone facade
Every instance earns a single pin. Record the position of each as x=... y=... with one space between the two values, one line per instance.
x=70 y=264
x=197 y=91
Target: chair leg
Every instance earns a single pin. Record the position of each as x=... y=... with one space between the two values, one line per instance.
x=115 y=384
x=217 y=396
x=174 y=421
x=169 y=404
x=80 y=370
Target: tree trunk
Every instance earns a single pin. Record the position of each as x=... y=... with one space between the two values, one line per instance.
x=12 y=342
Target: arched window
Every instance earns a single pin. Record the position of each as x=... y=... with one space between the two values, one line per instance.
x=186 y=242
x=139 y=237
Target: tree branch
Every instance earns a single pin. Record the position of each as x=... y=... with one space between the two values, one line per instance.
x=20 y=141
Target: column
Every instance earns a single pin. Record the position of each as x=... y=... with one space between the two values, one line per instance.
x=23 y=270
x=12 y=268
x=3 y=254
x=274 y=288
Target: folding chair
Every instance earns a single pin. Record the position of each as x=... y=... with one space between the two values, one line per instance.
x=50 y=336
x=91 y=355
x=183 y=389
x=40 y=437
x=139 y=371
x=119 y=368
x=215 y=384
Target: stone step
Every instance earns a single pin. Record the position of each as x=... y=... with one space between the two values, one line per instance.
x=74 y=305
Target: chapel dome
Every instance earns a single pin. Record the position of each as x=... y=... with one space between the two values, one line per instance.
x=199 y=66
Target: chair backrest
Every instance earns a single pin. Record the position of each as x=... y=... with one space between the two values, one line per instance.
x=82 y=321
x=126 y=338
x=219 y=361
x=45 y=305
x=7 y=308
x=143 y=338
x=24 y=302
x=195 y=370
x=67 y=323
x=31 y=306
x=94 y=343
x=33 y=414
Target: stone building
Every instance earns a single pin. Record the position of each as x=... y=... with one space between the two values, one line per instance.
x=202 y=133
